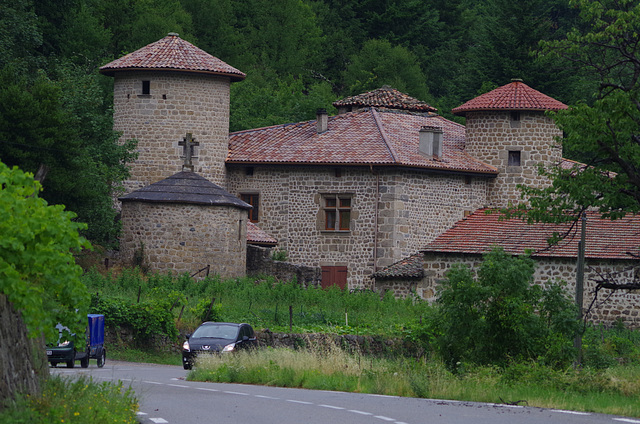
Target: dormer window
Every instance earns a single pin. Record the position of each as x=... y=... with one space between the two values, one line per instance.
x=146 y=87
x=514 y=158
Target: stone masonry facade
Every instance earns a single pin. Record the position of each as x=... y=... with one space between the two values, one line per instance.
x=178 y=103
x=622 y=305
x=412 y=209
x=185 y=237
x=492 y=135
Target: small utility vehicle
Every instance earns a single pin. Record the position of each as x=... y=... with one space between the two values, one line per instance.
x=65 y=350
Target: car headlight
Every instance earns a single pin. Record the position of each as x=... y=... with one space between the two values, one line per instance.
x=65 y=343
x=229 y=347
x=185 y=346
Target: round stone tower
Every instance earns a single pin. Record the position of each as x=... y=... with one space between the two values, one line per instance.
x=508 y=129
x=172 y=97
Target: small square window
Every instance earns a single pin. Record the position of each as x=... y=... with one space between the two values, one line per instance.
x=514 y=158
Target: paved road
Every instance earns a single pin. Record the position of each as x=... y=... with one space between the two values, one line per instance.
x=166 y=397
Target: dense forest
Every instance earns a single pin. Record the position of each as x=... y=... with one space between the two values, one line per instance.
x=299 y=55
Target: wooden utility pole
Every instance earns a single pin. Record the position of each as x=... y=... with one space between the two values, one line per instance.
x=577 y=343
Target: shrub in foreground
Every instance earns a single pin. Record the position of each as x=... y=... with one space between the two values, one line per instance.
x=502 y=316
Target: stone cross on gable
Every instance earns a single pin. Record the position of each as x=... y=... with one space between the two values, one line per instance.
x=188 y=143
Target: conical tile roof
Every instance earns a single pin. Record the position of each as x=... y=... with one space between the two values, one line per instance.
x=386 y=97
x=172 y=53
x=513 y=96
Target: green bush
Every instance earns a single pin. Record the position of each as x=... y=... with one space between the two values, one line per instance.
x=146 y=319
x=502 y=316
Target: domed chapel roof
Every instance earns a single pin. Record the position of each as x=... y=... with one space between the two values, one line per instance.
x=513 y=96
x=185 y=187
x=172 y=53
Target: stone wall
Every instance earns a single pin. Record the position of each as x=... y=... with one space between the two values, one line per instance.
x=622 y=305
x=178 y=103
x=490 y=135
x=266 y=338
x=23 y=362
x=259 y=262
x=413 y=209
x=185 y=237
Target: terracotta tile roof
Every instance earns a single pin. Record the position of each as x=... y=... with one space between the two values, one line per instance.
x=479 y=232
x=513 y=96
x=172 y=53
x=411 y=267
x=185 y=187
x=368 y=137
x=386 y=97
x=255 y=235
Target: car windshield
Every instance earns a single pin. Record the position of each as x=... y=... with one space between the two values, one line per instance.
x=217 y=331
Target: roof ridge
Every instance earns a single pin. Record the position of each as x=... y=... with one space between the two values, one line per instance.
x=383 y=134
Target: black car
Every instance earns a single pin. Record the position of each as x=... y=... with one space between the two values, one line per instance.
x=216 y=337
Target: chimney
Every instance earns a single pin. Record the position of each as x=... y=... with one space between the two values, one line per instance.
x=323 y=120
x=430 y=142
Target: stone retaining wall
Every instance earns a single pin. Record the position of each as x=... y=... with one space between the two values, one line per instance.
x=362 y=344
x=259 y=262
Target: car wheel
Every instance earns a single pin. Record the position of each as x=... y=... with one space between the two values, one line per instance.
x=70 y=364
x=84 y=362
x=186 y=365
x=102 y=358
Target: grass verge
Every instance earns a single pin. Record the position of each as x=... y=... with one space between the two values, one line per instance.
x=147 y=356
x=75 y=401
x=612 y=391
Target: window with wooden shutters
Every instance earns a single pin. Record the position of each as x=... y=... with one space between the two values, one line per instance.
x=334 y=276
x=253 y=200
x=337 y=212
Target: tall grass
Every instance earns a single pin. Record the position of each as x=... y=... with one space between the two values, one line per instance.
x=327 y=367
x=80 y=400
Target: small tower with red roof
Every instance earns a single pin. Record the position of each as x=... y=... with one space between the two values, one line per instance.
x=508 y=129
x=164 y=91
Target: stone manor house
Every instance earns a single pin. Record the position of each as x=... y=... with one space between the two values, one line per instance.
x=387 y=194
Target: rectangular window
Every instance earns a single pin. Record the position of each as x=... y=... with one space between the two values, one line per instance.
x=334 y=276
x=514 y=158
x=146 y=87
x=515 y=119
x=337 y=212
x=253 y=200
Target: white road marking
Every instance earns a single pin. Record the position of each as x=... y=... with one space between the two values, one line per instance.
x=208 y=390
x=178 y=385
x=562 y=411
x=152 y=382
x=382 y=417
x=299 y=401
x=627 y=420
x=355 y=411
x=159 y=420
x=237 y=393
x=331 y=407
x=266 y=397
x=141 y=413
